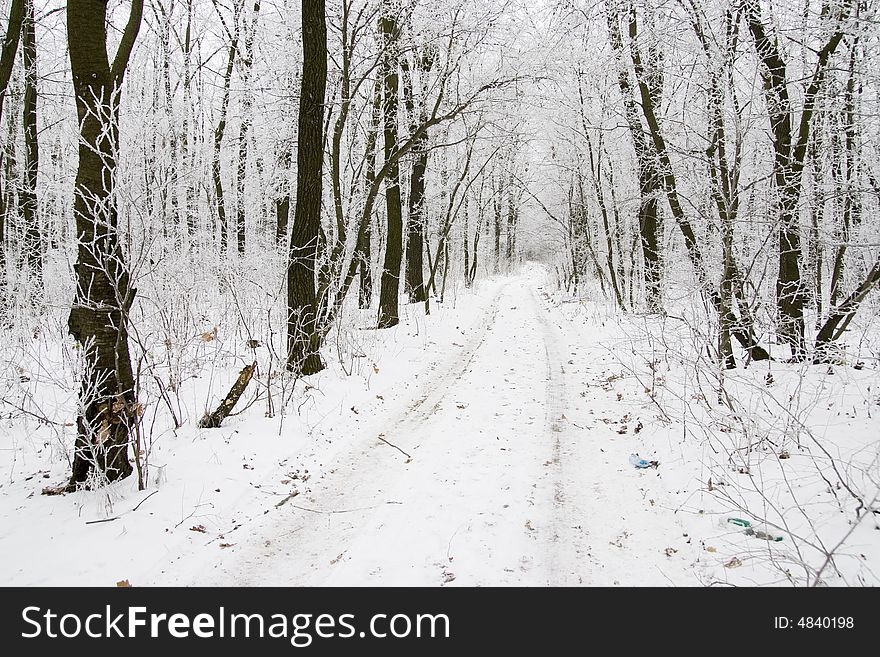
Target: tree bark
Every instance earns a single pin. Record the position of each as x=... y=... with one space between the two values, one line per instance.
x=303 y=336
x=98 y=319
x=282 y=214
x=10 y=46
x=848 y=160
x=415 y=226
x=390 y=284
x=220 y=129
x=247 y=105
x=32 y=241
x=648 y=175
x=497 y=196
x=7 y=60
x=363 y=252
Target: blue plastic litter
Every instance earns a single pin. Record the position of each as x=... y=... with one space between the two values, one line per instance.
x=639 y=462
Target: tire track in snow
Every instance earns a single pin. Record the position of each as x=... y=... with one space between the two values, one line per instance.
x=438 y=389
x=565 y=530
x=347 y=495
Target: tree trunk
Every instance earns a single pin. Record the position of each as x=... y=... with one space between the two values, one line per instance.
x=32 y=243
x=496 y=205
x=282 y=213
x=649 y=179
x=363 y=253
x=840 y=316
x=220 y=130
x=303 y=337
x=99 y=315
x=415 y=227
x=464 y=244
x=7 y=60
x=10 y=46
x=512 y=217
x=390 y=286
x=790 y=149
x=649 y=187
x=848 y=158
x=744 y=335
x=188 y=154
x=247 y=105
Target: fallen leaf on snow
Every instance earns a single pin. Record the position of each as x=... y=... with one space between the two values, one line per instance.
x=123 y=583
x=198 y=528
x=733 y=563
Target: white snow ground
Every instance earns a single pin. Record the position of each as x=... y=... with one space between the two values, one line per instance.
x=508 y=420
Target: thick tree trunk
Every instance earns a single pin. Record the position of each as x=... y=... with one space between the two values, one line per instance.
x=390 y=286
x=10 y=46
x=303 y=336
x=99 y=315
x=32 y=242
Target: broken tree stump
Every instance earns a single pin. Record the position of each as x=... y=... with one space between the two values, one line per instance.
x=215 y=419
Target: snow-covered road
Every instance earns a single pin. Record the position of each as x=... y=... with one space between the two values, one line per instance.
x=502 y=470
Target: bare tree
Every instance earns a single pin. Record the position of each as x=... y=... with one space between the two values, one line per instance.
x=303 y=337
x=7 y=61
x=29 y=206
x=99 y=315
x=390 y=282
x=790 y=148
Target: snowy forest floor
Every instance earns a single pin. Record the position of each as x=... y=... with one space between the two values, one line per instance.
x=487 y=444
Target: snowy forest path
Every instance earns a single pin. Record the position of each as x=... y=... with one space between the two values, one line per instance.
x=488 y=478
